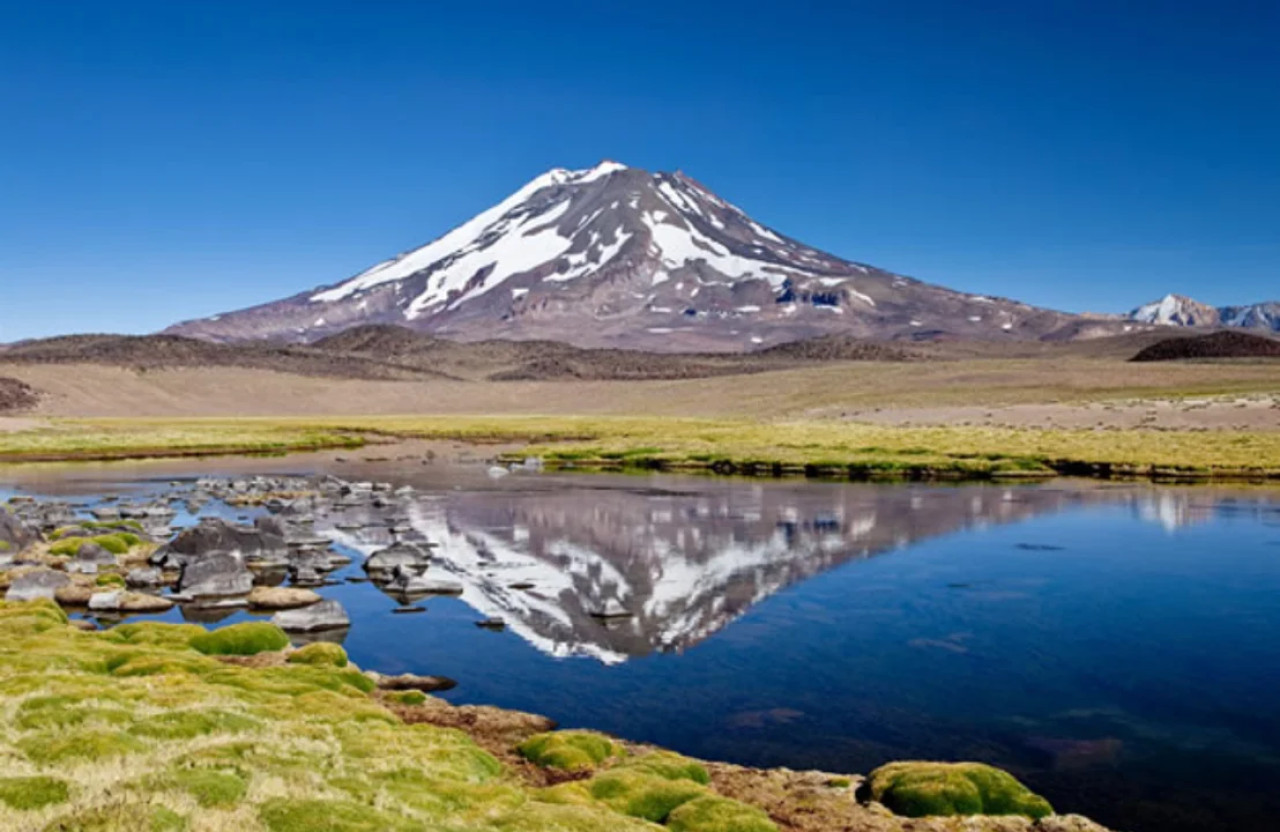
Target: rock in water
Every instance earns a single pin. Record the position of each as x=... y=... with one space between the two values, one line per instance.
x=14 y=534
x=43 y=583
x=326 y=615
x=215 y=575
x=382 y=563
x=407 y=581
x=216 y=536
x=281 y=598
x=121 y=601
x=89 y=558
x=410 y=681
x=74 y=595
x=144 y=577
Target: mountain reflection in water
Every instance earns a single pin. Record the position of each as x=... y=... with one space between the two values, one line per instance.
x=1112 y=644
x=682 y=563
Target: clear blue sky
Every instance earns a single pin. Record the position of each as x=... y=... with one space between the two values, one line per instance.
x=166 y=160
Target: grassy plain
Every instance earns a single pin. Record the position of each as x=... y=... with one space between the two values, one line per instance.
x=1065 y=409
x=831 y=447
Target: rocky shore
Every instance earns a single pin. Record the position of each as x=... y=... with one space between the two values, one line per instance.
x=267 y=725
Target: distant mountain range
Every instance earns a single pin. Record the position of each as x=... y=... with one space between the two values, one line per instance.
x=618 y=257
x=1178 y=310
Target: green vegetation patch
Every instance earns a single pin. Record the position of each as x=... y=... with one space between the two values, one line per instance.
x=711 y=813
x=97 y=525
x=117 y=544
x=155 y=634
x=138 y=816
x=25 y=793
x=407 y=697
x=185 y=725
x=131 y=724
x=921 y=789
x=54 y=747
x=670 y=766
x=641 y=795
x=320 y=653
x=211 y=788
x=568 y=750
x=330 y=816
x=247 y=639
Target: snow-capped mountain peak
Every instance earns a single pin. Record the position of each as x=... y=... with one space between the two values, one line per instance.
x=617 y=256
x=1178 y=310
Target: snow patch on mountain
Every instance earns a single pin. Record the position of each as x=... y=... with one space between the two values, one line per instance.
x=468 y=238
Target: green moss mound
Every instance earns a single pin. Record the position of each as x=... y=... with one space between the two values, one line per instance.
x=247 y=639
x=921 y=789
x=24 y=793
x=640 y=795
x=568 y=750
x=320 y=653
x=133 y=817
x=112 y=526
x=211 y=788
x=51 y=748
x=711 y=813
x=186 y=725
x=670 y=766
x=109 y=579
x=155 y=634
x=330 y=816
x=118 y=543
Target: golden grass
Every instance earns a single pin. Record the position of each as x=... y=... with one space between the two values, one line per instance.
x=126 y=438
x=726 y=444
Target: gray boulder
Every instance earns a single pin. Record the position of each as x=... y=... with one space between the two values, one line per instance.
x=92 y=553
x=40 y=584
x=213 y=535
x=122 y=601
x=217 y=574
x=15 y=535
x=326 y=615
x=384 y=562
x=407 y=581
x=149 y=576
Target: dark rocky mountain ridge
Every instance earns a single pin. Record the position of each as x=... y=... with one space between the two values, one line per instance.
x=1222 y=344
x=384 y=352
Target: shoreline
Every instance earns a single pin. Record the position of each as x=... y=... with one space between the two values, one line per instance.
x=171 y=697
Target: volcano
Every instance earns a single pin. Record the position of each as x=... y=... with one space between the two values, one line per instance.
x=614 y=256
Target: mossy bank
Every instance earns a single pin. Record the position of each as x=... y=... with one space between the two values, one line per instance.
x=161 y=727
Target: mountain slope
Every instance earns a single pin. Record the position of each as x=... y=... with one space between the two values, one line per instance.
x=618 y=257
x=1178 y=310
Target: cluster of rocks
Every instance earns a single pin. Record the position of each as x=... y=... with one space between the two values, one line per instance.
x=271 y=563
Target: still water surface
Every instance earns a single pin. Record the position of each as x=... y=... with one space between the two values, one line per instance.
x=1117 y=647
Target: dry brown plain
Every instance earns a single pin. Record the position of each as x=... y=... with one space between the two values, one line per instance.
x=1055 y=390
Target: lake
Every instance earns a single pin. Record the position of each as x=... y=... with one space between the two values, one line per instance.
x=1116 y=646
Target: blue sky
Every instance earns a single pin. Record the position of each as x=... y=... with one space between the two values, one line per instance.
x=160 y=161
